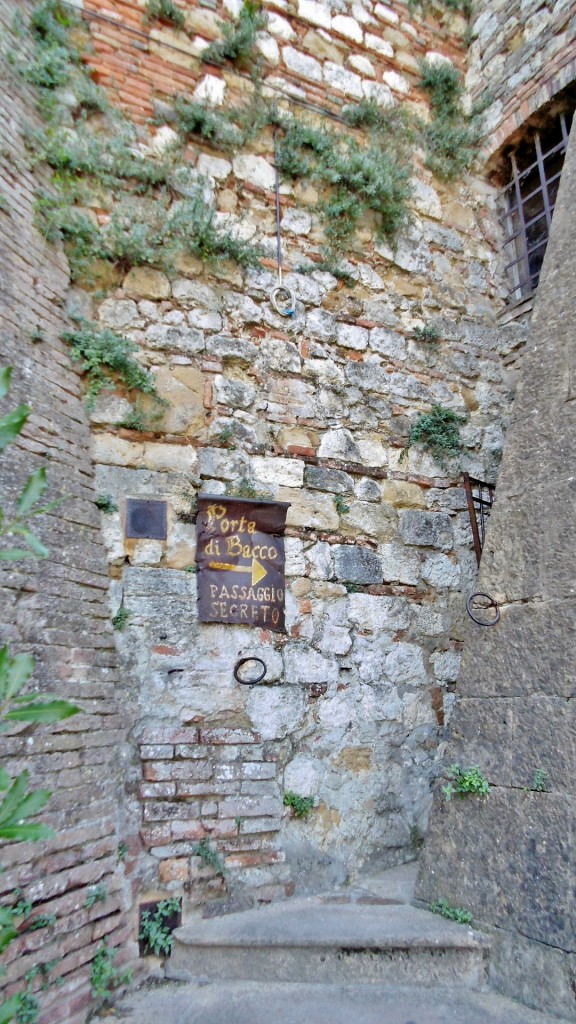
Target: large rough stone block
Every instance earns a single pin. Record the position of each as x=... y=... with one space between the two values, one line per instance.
x=374 y=614
x=286 y=472
x=309 y=508
x=426 y=529
x=365 y=517
x=333 y=480
x=232 y=348
x=354 y=564
x=301 y=64
x=234 y=393
x=186 y=340
x=537 y=627
x=399 y=564
x=536 y=867
x=145 y=283
x=543 y=739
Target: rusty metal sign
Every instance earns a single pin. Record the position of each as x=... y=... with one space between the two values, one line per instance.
x=240 y=556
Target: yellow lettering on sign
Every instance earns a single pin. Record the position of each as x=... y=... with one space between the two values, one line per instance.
x=217 y=514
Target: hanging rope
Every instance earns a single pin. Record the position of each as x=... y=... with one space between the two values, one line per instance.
x=282 y=298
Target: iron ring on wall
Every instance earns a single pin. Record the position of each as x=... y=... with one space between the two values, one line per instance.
x=283 y=300
x=491 y=604
x=249 y=682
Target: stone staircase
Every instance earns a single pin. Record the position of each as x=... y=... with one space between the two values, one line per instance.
x=365 y=934
x=360 y=955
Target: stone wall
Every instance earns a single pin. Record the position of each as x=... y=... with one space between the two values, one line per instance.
x=58 y=611
x=524 y=53
x=509 y=858
x=313 y=410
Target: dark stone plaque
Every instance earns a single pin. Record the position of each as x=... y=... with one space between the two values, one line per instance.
x=240 y=556
x=146 y=518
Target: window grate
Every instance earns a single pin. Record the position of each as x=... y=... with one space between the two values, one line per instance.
x=529 y=200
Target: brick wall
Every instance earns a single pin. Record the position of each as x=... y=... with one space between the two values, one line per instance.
x=320 y=52
x=215 y=786
x=56 y=609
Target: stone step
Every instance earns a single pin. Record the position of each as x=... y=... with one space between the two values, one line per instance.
x=263 y=1002
x=364 y=935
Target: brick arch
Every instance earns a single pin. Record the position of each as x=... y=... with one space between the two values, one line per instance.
x=526 y=103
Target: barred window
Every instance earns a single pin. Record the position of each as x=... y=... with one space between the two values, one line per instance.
x=529 y=199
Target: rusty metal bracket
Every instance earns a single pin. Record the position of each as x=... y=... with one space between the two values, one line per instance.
x=249 y=682
x=482 y=607
x=479 y=498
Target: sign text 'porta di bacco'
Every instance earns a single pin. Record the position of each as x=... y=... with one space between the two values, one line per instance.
x=240 y=556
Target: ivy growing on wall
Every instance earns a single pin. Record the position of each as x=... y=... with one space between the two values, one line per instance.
x=101 y=162
x=104 y=165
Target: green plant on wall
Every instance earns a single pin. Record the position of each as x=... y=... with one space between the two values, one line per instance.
x=106 y=504
x=105 y=977
x=464 y=7
x=209 y=856
x=452 y=913
x=437 y=432
x=540 y=780
x=451 y=138
x=357 y=179
x=428 y=334
x=165 y=10
x=28 y=503
x=156 y=927
x=239 y=37
x=120 y=619
x=465 y=782
x=106 y=359
x=300 y=805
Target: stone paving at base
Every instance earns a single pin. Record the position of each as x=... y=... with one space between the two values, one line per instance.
x=264 y=1003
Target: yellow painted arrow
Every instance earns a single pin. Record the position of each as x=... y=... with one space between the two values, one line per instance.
x=258 y=571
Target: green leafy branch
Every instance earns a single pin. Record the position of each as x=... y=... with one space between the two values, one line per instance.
x=27 y=505
x=106 y=359
x=156 y=926
x=18 y=803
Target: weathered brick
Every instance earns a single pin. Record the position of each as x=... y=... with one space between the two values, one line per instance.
x=162 y=771
x=247 y=807
x=229 y=736
x=158 y=752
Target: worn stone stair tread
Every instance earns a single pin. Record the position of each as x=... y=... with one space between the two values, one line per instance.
x=259 y=1002
x=312 y=922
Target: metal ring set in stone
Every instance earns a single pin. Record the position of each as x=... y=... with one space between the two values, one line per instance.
x=255 y=679
x=472 y=609
x=283 y=300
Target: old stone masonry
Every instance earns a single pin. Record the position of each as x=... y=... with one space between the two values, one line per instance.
x=166 y=168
